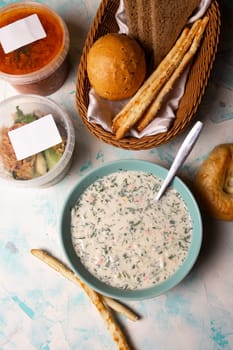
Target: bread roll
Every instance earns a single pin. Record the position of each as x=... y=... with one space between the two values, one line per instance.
x=116 y=66
x=214 y=182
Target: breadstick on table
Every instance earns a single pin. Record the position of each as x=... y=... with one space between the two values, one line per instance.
x=135 y=108
x=70 y=275
x=97 y=300
x=153 y=109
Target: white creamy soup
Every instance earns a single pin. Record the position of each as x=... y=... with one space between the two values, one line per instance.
x=124 y=237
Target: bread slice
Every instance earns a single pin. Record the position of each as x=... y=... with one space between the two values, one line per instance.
x=156 y=24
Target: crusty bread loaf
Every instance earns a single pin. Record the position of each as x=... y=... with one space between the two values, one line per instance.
x=116 y=66
x=156 y=24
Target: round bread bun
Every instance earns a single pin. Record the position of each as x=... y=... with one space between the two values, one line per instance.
x=116 y=66
x=214 y=182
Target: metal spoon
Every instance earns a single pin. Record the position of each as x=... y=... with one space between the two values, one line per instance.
x=182 y=154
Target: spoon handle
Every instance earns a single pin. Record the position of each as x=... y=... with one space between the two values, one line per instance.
x=182 y=154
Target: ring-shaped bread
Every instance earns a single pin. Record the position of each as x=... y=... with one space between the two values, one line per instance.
x=214 y=182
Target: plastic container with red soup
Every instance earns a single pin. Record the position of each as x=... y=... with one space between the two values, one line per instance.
x=34 y=44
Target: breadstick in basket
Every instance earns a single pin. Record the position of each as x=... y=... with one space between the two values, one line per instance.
x=153 y=109
x=136 y=107
x=97 y=300
x=118 y=120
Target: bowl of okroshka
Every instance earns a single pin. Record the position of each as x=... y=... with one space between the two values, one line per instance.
x=123 y=243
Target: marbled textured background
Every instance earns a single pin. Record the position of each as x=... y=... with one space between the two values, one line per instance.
x=41 y=310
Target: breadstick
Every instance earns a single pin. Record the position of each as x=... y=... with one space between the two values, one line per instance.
x=70 y=275
x=151 y=112
x=120 y=117
x=115 y=305
x=96 y=299
x=130 y=115
x=161 y=75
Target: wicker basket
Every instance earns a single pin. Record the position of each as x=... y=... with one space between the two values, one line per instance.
x=104 y=22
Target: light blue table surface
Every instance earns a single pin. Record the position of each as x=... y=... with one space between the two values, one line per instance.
x=41 y=310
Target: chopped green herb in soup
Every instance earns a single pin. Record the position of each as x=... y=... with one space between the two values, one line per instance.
x=124 y=237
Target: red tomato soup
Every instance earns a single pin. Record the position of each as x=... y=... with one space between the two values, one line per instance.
x=38 y=54
x=41 y=66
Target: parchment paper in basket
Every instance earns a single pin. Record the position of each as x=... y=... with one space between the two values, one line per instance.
x=101 y=111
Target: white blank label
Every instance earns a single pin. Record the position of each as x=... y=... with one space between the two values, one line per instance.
x=34 y=137
x=21 y=32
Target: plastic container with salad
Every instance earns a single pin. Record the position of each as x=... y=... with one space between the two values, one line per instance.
x=37 y=141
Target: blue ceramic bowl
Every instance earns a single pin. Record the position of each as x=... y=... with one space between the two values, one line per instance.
x=91 y=280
